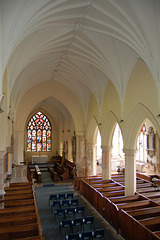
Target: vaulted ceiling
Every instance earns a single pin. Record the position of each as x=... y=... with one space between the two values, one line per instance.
x=78 y=45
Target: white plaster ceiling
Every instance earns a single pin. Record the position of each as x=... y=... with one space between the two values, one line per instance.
x=81 y=44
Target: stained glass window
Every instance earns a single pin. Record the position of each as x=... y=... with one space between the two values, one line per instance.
x=39 y=133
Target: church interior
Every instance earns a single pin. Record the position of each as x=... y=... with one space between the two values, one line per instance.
x=80 y=103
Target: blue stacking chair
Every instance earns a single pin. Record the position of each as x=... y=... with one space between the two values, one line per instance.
x=87 y=235
x=80 y=210
x=65 y=203
x=70 y=211
x=77 y=222
x=56 y=204
x=72 y=236
x=89 y=220
x=98 y=234
x=52 y=197
x=66 y=224
x=74 y=202
x=60 y=212
x=69 y=196
x=61 y=196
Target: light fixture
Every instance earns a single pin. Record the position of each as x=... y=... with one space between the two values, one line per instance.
x=121 y=121
x=1 y=111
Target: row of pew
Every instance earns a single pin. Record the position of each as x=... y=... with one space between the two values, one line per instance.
x=19 y=216
x=133 y=217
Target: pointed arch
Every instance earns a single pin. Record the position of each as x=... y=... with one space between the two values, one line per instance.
x=108 y=129
x=91 y=131
x=137 y=116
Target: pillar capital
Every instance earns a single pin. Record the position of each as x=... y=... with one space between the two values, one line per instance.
x=130 y=152
x=80 y=133
x=106 y=148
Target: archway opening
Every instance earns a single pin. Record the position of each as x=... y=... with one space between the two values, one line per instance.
x=98 y=154
x=147 y=160
x=117 y=155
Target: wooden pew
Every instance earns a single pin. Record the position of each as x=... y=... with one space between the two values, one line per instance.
x=145 y=213
x=132 y=229
x=18 y=220
x=115 y=209
x=109 y=194
x=20 y=184
x=30 y=238
x=17 y=211
x=12 y=232
x=18 y=197
x=16 y=203
x=18 y=188
x=19 y=192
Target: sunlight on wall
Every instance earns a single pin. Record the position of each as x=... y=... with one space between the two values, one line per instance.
x=99 y=150
x=117 y=143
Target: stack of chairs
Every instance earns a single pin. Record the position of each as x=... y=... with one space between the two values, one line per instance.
x=73 y=222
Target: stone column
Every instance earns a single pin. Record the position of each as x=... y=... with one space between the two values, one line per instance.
x=80 y=155
x=90 y=159
x=130 y=171
x=2 y=159
x=106 y=162
x=19 y=147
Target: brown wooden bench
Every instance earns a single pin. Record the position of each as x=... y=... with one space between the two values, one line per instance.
x=21 y=184
x=18 y=220
x=146 y=190
x=126 y=199
x=114 y=193
x=17 y=211
x=18 y=188
x=16 y=203
x=132 y=229
x=115 y=209
x=145 y=213
x=18 y=192
x=12 y=232
x=30 y=238
x=18 y=197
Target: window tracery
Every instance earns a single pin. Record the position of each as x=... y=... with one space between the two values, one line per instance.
x=39 y=133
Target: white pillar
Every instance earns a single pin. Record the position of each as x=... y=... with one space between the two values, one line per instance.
x=90 y=159
x=80 y=155
x=106 y=162
x=130 y=171
x=19 y=147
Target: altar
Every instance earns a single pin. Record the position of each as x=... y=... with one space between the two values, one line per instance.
x=39 y=159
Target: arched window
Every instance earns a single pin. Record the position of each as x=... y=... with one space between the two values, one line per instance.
x=39 y=133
